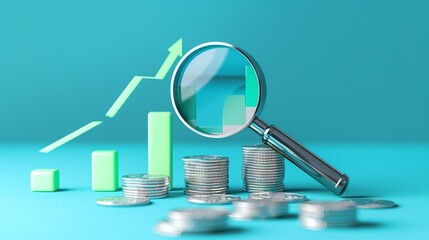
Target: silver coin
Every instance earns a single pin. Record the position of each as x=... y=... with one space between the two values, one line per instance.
x=145 y=196
x=290 y=197
x=145 y=176
x=320 y=224
x=167 y=229
x=371 y=203
x=121 y=201
x=205 y=158
x=197 y=192
x=198 y=213
x=207 y=190
x=212 y=199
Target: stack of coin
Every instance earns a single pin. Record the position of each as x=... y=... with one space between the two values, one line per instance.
x=206 y=174
x=263 y=169
x=193 y=220
x=259 y=208
x=145 y=186
x=320 y=215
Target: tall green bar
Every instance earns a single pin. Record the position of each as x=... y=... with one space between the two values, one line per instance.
x=160 y=144
x=105 y=170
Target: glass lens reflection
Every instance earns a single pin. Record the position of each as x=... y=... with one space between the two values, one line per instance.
x=216 y=91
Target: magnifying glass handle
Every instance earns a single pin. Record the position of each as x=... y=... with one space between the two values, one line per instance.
x=314 y=166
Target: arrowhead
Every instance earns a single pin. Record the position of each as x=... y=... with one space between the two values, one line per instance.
x=176 y=48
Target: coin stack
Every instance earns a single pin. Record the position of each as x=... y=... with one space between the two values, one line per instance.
x=193 y=220
x=320 y=215
x=263 y=169
x=145 y=186
x=206 y=174
x=259 y=208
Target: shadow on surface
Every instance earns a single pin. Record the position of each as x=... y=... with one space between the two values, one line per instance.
x=230 y=230
x=356 y=196
x=175 y=193
x=235 y=190
x=69 y=189
x=367 y=225
x=289 y=216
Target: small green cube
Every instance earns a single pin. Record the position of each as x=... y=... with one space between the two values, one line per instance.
x=105 y=170
x=45 y=180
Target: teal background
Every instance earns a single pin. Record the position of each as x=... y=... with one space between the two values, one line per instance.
x=348 y=78
x=336 y=70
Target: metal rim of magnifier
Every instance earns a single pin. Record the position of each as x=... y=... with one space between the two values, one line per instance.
x=188 y=57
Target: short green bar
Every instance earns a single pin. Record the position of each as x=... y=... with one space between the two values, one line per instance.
x=45 y=180
x=105 y=170
x=234 y=111
x=160 y=144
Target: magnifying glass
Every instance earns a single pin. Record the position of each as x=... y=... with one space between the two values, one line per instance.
x=218 y=90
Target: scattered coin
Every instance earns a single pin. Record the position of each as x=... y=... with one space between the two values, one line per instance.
x=193 y=220
x=287 y=196
x=369 y=203
x=320 y=215
x=259 y=208
x=120 y=201
x=212 y=199
x=167 y=229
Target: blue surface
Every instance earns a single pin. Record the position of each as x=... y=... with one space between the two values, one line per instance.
x=396 y=172
x=359 y=67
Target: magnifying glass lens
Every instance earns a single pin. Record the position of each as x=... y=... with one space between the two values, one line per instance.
x=216 y=91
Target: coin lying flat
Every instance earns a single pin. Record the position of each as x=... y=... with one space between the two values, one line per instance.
x=212 y=199
x=320 y=215
x=167 y=229
x=197 y=220
x=287 y=196
x=120 y=201
x=259 y=209
x=369 y=203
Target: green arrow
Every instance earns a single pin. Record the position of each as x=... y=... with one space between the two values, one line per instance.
x=175 y=51
x=71 y=136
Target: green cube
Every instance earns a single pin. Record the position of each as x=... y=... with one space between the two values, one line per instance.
x=105 y=170
x=45 y=180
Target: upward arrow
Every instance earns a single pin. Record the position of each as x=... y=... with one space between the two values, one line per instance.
x=175 y=51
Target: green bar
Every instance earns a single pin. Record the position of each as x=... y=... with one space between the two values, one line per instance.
x=252 y=87
x=160 y=144
x=45 y=180
x=234 y=110
x=105 y=170
x=71 y=136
